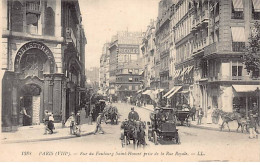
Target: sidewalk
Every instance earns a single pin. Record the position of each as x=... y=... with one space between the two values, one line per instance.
x=36 y=132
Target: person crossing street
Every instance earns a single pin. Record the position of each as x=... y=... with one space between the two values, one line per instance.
x=98 y=124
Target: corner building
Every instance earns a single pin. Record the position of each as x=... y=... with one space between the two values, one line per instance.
x=43 y=60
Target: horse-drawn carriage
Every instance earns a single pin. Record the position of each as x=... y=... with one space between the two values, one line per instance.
x=133 y=130
x=183 y=116
x=163 y=126
x=110 y=113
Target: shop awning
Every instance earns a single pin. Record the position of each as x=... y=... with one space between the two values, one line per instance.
x=139 y=91
x=246 y=88
x=183 y=72
x=169 y=92
x=189 y=69
x=147 y=92
x=256 y=5
x=158 y=91
x=238 y=34
x=177 y=73
x=238 y=5
x=177 y=88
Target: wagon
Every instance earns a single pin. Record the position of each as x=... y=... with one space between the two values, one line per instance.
x=111 y=113
x=163 y=126
x=183 y=117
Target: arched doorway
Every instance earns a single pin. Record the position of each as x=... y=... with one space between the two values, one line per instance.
x=30 y=100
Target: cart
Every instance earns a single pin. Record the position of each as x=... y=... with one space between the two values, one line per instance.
x=183 y=117
x=163 y=126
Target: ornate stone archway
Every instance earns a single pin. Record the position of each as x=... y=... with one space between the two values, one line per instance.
x=38 y=46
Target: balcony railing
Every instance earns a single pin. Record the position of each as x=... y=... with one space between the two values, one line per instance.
x=33 y=7
x=205 y=16
x=238 y=46
x=70 y=37
x=237 y=15
x=194 y=27
x=234 y=78
x=210 y=49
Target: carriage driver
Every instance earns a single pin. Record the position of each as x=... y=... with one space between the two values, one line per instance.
x=133 y=115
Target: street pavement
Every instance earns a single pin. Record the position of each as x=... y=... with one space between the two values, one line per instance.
x=196 y=145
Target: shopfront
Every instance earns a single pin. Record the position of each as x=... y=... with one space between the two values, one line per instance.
x=31 y=88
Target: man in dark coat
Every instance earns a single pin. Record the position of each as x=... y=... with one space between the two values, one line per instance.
x=133 y=115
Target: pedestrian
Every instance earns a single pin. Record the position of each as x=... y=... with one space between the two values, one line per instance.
x=255 y=111
x=209 y=117
x=51 y=123
x=71 y=123
x=252 y=126
x=46 y=122
x=26 y=117
x=215 y=115
x=200 y=115
x=193 y=112
x=98 y=124
x=78 y=118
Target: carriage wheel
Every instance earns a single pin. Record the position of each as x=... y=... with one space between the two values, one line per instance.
x=125 y=140
x=149 y=136
x=155 y=138
x=188 y=123
x=177 y=139
x=116 y=119
x=105 y=118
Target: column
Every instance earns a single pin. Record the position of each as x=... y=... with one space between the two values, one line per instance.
x=58 y=19
x=5 y=10
x=57 y=97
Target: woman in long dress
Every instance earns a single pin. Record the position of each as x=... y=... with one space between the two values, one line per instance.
x=209 y=117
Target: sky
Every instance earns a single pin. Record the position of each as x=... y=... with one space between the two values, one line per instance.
x=103 y=18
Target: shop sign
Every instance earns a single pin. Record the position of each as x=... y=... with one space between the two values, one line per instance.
x=128 y=49
x=34 y=45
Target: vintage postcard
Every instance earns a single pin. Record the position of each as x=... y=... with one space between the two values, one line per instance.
x=130 y=81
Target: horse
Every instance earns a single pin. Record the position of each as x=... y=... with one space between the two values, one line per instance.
x=229 y=116
x=140 y=129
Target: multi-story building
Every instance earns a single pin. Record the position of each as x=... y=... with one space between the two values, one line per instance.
x=148 y=51
x=125 y=64
x=210 y=37
x=93 y=77
x=104 y=69
x=162 y=34
x=43 y=59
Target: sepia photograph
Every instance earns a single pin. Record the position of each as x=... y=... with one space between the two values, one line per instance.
x=130 y=81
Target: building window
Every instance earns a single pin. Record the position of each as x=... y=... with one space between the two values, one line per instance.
x=32 y=16
x=49 y=22
x=237 y=70
x=255 y=10
x=237 y=9
x=17 y=17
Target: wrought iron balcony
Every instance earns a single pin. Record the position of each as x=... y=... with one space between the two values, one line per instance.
x=33 y=7
x=238 y=46
x=71 y=38
x=205 y=17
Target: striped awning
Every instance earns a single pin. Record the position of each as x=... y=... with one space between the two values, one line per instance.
x=238 y=5
x=238 y=34
x=256 y=5
x=169 y=92
x=177 y=73
x=183 y=72
x=189 y=69
x=177 y=88
x=246 y=88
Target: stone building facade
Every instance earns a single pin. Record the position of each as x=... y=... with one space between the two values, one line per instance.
x=43 y=60
x=125 y=64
